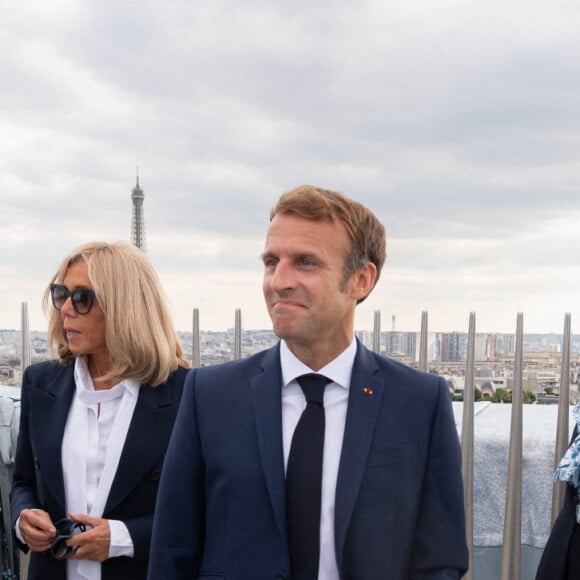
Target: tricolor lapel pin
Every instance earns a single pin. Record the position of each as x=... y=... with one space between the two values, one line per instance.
x=367 y=391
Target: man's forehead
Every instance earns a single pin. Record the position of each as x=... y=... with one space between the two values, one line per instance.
x=302 y=241
x=297 y=228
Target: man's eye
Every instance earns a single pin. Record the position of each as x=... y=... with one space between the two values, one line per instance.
x=270 y=262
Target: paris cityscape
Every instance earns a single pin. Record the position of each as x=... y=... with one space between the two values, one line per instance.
x=446 y=352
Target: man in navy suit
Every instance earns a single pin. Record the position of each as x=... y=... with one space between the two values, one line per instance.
x=392 y=498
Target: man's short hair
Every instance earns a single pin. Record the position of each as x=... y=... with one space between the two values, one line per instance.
x=366 y=232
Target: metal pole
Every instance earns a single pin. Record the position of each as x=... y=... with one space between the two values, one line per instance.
x=377 y=332
x=467 y=438
x=238 y=335
x=512 y=531
x=563 y=417
x=24 y=337
x=195 y=341
x=423 y=341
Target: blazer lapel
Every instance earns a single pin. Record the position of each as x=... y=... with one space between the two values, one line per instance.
x=48 y=415
x=145 y=443
x=267 y=398
x=364 y=402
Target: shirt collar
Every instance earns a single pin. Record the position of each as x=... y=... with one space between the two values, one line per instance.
x=338 y=370
x=84 y=382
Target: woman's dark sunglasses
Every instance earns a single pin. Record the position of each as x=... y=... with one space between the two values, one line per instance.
x=82 y=298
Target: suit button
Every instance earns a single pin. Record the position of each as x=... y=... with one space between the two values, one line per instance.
x=156 y=474
x=282 y=576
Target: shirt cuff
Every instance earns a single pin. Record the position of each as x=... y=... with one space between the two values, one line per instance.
x=121 y=543
x=17 y=531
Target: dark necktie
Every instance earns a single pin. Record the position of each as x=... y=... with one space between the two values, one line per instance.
x=304 y=481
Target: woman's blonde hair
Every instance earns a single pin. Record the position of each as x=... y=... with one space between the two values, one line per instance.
x=141 y=339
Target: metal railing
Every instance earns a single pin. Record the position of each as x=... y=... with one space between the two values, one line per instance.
x=511 y=548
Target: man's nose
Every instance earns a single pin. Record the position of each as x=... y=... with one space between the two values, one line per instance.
x=283 y=277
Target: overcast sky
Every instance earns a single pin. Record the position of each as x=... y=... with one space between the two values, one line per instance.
x=457 y=122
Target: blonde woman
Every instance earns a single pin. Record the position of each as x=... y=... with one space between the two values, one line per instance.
x=96 y=423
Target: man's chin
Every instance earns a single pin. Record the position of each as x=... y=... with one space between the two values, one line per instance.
x=284 y=330
x=281 y=334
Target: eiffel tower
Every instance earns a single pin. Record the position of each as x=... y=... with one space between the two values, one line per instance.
x=137 y=218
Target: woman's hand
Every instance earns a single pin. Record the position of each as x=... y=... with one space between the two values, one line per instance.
x=92 y=544
x=36 y=529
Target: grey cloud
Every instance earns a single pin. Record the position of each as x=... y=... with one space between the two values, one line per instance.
x=450 y=122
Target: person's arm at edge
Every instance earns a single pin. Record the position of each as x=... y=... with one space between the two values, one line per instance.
x=23 y=494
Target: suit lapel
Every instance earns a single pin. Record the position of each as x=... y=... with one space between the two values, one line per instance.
x=146 y=441
x=365 y=395
x=267 y=399
x=49 y=412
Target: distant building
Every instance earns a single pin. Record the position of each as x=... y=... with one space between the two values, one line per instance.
x=401 y=344
x=452 y=346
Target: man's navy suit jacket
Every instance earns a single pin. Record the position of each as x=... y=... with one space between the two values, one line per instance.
x=399 y=497
x=47 y=391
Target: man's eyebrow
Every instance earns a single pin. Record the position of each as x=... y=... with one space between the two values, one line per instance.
x=295 y=256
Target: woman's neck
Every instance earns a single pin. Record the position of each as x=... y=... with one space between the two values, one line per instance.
x=99 y=367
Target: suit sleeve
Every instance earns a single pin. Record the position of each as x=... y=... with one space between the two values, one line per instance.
x=440 y=550
x=178 y=528
x=139 y=530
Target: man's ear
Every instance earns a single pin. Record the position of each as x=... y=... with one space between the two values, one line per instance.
x=363 y=281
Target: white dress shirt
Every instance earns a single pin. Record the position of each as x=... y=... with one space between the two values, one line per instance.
x=339 y=371
x=94 y=436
